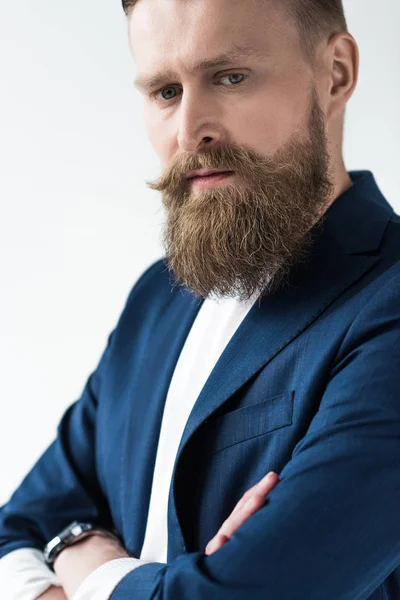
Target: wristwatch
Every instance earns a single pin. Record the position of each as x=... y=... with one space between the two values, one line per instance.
x=74 y=532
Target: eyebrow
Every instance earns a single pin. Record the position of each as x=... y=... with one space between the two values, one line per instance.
x=227 y=57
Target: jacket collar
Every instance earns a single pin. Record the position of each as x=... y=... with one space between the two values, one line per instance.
x=357 y=218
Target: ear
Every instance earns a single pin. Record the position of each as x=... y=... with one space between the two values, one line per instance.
x=343 y=65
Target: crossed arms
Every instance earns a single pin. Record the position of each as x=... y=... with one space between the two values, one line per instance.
x=331 y=528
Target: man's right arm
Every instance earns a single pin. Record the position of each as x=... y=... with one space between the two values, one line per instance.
x=62 y=486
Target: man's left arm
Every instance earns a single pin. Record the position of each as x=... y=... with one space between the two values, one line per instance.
x=331 y=528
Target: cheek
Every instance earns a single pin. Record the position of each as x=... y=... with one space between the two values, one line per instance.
x=150 y=125
x=265 y=123
x=156 y=135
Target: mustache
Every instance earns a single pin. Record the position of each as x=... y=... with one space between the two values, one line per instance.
x=266 y=176
x=228 y=157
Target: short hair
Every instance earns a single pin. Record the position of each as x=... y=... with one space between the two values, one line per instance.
x=316 y=21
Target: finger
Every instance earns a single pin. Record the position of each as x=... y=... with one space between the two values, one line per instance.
x=216 y=543
x=264 y=486
x=248 y=505
x=250 y=502
x=237 y=518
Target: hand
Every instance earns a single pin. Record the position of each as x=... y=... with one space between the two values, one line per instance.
x=76 y=562
x=249 y=503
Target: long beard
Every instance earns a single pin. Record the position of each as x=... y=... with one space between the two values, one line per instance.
x=245 y=237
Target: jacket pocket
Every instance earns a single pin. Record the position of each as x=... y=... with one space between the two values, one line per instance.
x=250 y=421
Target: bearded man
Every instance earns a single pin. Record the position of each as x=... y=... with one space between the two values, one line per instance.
x=240 y=436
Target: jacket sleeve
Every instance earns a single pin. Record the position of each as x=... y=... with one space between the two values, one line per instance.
x=62 y=485
x=331 y=527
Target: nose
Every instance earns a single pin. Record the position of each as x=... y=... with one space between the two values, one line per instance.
x=198 y=128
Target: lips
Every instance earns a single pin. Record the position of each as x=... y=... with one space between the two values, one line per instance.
x=204 y=173
x=208 y=181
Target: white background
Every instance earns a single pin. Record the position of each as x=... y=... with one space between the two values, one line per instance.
x=77 y=223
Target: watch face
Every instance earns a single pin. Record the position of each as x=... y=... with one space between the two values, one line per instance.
x=75 y=528
x=58 y=543
x=71 y=528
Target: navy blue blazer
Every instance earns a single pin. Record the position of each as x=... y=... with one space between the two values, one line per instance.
x=308 y=386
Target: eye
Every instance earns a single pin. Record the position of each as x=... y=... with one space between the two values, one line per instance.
x=168 y=89
x=233 y=75
x=161 y=92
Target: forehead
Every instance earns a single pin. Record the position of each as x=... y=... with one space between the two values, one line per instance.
x=184 y=36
